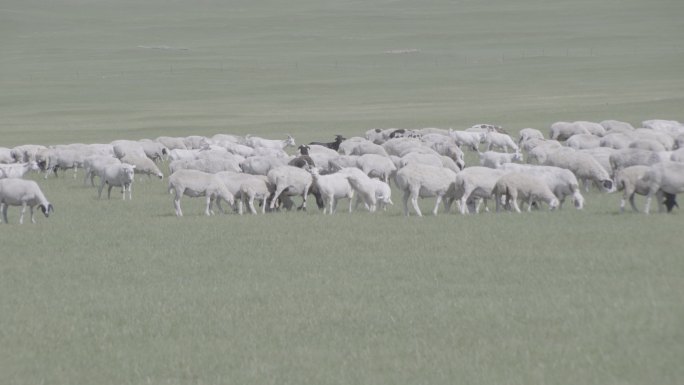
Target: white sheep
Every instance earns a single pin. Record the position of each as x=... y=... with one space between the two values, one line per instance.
x=647 y=144
x=292 y=181
x=583 y=141
x=363 y=186
x=529 y=188
x=469 y=139
x=498 y=140
x=475 y=182
x=143 y=165
x=121 y=175
x=420 y=180
x=368 y=148
x=26 y=152
x=94 y=165
x=54 y=159
x=526 y=134
x=561 y=131
x=332 y=188
x=562 y=182
x=632 y=157
x=261 y=165
x=383 y=194
x=493 y=159
x=254 y=188
x=584 y=166
x=376 y=166
x=6 y=155
x=172 y=143
x=17 y=170
x=347 y=146
x=665 y=180
x=616 y=126
x=630 y=181
x=194 y=184
x=20 y=192
x=256 y=142
x=617 y=140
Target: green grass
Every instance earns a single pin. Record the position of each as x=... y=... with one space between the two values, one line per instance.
x=114 y=292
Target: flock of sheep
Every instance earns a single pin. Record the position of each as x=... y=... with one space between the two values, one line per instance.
x=422 y=163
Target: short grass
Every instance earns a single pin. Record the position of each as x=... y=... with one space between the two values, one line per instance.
x=107 y=291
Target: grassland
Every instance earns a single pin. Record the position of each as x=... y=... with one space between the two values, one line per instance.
x=123 y=292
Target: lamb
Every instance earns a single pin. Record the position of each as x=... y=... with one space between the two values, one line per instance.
x=526 y=134
x=331 y=145
x=493 y=159
x=629 y=180
x=332 y=188
x=584 y=166
x=194 y=184
x=143 y=165
x=530 y=188
x=117 y=175
x=253 y=188
x=291 y=181
x=17 y=170
x=376 y=166
x=419 y=180
x=255 y=141
x=498 y=140
x=475 y=182
x=563 y=183
x=665 y=180
x=362 y=185
x=383 y=194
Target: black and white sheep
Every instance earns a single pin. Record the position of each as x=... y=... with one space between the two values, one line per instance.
x=665 y=180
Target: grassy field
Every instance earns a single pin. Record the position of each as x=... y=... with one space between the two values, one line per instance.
x=113 y=292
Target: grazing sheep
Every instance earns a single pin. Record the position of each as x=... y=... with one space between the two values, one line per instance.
x=143 y=165
x=291 y=181
x=348 y=145
x=469 y=139
x=450 y=150
x=665 y=180
x=383 y=194
x=602 y=155
x=254 y=188
x=528 y=187
x=127 y=147
x=117 y=175
x=20 y=192
x=420 y=180
x=540 y=153
x=629 y=181
x=493 y=159
x=172 y=143
x=562 y=182
x=332 y=188
x=561 y=131
x=526 y=134
x=26 y=152
x=664 y=138
x=261 y=165
x=616 y=126
x=195 y=142
x=6 y=155
x=194 y=184
x=402 y=146
x=376 y=166
x=255 y=141
x=421 y=158
x=154 y=150
x=368 y=148
x=17 y=170
x=94 y=165
x=475 y=182
x=54 y=159
x=677 y=155
x=584 y=166
x=342 y=161
x=632 y=157
x=211 y=166
x=583 y=141
x=647 y=144
x=617 y=140
x=501 y=141
x=331 y=145
x=363 y=186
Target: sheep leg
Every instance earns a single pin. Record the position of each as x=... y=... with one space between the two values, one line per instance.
x=414 y=201
x=250 y=204
x=333 y=205
x=513 y=198
x=109 y=192
x=99 y=190
x=351 y=199
x=304 y=196
x=438 y=200
x=218 y=204
x=659 y=197
x=23 y=209
x=279 y=190
x=207 y=209
x=405 y=199
x=177 y=206
x=3 y=209
x=631 y=202
x=33 y=220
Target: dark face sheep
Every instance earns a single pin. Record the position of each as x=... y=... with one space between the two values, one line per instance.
x=47 y=210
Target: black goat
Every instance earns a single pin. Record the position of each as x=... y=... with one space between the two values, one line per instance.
x=331 y=145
